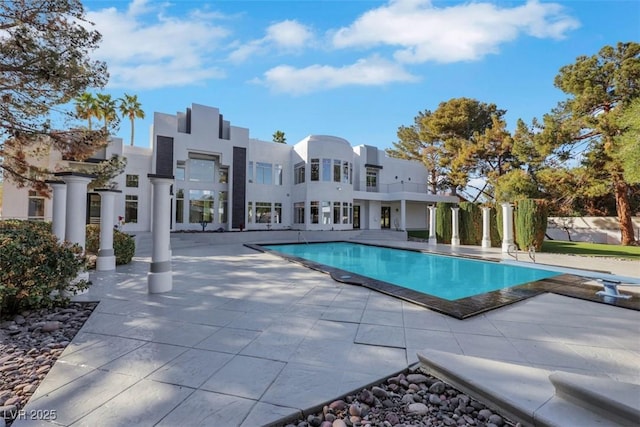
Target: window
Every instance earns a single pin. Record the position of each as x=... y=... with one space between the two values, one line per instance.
x=345 y=172
x=180 y=206
x=250 y=211
x=372 y=179
x=336 y=212
x=336 y=170
x=222 y=207
x=200 y=206
x=315 y=169
x=36 y=205
x=315 y=212
x=278 y=174
x=278 y=213
x=132 y=181
x=350 y=213
x=298 y=173
x=264 y=173
x=350 y=173
x=201 y=170
x=298 y=213
x=223 y=176
x=131 y=208
x=94 y=202
x=263 y=213
x=326 y=212
x=180 y=170
x=345 y=213
x=250 y=172
x=326 y=170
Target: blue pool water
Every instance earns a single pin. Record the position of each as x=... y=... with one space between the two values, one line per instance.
x=446 y=277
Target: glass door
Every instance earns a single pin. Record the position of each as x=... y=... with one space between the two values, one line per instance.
x=385 y=217
x=356 y=217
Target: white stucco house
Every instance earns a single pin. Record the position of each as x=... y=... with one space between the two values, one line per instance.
x=229 y=181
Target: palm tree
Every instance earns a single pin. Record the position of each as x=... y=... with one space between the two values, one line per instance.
x=106 y=109
x=87 y=107
x=130 y=107
x=279 y=137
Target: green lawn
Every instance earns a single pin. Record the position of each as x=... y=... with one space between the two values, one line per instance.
x=591 y=249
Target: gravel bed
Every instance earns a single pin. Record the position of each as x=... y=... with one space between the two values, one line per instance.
x=30 y=343
x=411 y=398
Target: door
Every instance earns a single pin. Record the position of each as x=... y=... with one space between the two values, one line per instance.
x=356 y=217
x=93 y=208
x=385 y=217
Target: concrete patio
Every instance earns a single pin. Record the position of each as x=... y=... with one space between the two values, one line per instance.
x=246 y=339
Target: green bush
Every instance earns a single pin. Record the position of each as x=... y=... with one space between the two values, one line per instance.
x=36 y=271
x=124 y=247
x=496 y=240
x=531 y=223
x=470 y=224
x=443 y=222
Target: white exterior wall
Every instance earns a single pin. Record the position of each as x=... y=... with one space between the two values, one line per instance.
x=274 y=154
x=138 y=163
x=400 y=182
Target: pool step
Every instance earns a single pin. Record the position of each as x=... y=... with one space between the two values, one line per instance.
x=537 y=397
x=381 y=235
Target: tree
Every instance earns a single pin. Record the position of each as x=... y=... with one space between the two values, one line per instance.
x=279 y=137
x=601 y=87
x=44 y=64
x=130 y=107
x=87 y=107
x=454 y=143
x=107 y=109
x=415 y=142
x=629 y=142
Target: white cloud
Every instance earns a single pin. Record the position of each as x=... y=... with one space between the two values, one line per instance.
x=284 y=36
x=146 y=49
x=371 y=71
x=289 y=34
x=423 y=32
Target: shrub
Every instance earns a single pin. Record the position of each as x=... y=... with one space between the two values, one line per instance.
x=470 y=224
x=124 y=246
x=36 y=271
x=531 y=223
x=496 y=240
x=443 y=222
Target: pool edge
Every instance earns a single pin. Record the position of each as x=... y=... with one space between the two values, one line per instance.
x=564 y=284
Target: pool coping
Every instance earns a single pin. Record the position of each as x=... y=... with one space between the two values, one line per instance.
x=564 y=284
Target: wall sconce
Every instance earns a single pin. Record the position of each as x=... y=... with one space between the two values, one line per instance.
x=339 y=188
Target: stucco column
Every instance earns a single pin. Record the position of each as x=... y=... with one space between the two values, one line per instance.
x=455 y=237
x=76 y=206
x=106 y=257
x=486 y=227
x=403 y=215
x=59 y=209
x=507 y=226
x=432 y=225
x=160 y=277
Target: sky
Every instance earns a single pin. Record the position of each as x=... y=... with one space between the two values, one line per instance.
x=356 y=69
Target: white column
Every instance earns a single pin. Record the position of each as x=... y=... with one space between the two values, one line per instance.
x=76 y=215
x=507 y=226
x=58 y=215
x=403 y=214
x=432 y=225
x=486 y=227
x=160 y=278
x=455 y=237
x=106 y=257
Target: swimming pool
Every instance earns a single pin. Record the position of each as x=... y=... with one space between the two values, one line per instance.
x=446 y=277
